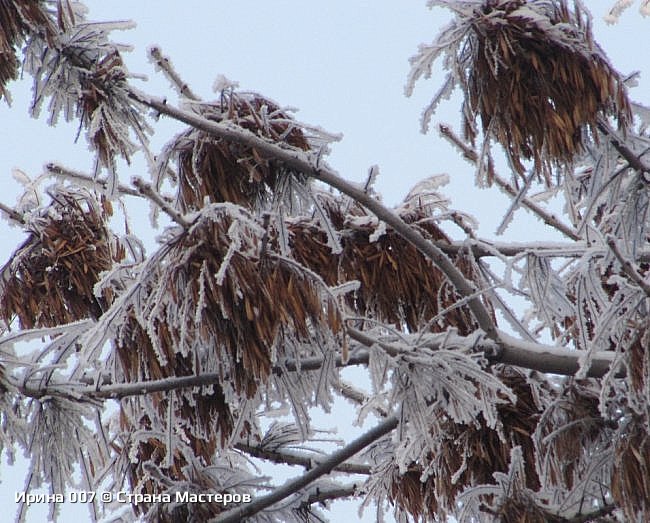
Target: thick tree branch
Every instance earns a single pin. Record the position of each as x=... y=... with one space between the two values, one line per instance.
x=512 y=351
x=484 y=249
x=296 y=159
x=509 y=350
x=544 y=358
x=240 y=513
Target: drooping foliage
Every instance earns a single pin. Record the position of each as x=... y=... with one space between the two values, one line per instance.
x=264 y=284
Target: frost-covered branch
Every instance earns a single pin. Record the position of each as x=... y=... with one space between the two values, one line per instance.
x=359 y=397
x=595 y=515
x=512 y=351
x=296 y=159
x=509 y=350
x=85 y=179
x=320 y=495
x=544 y=358
x=11 y=213
x=633 y=159
x=548 y=218
x=172 y=75
x=291 y=458
x=483 y=248
x=628 y=267
x=147 y=190
x=294 y=485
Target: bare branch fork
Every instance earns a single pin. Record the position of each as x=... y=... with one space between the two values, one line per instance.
x=290 y=487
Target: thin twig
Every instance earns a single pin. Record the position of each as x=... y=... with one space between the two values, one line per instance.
x=240 y=513
x=630 y=269
x=350 y=392
x=630 y=157
x=290 y=458
x=69 y=174
x=147 y=190
x=592 y=516
x=546 y=217
x=321 y=495
x=12 y=213
x=170 y=73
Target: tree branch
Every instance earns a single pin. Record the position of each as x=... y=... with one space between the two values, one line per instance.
x=630 y=156
x=600 y=512
x=628 y=267
x=168 y=70
x=290 y=458
x=240 y=513
x=350 y=392
x=69 y=174
x=146 y=190
x=545 y=358
x=297 y=159
x=484 y=248
x=547 y=218
x=512 y=351
x=509 y=351
x=320 y=495
x=12 y=214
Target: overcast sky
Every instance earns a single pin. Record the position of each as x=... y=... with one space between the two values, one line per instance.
x=343 y=64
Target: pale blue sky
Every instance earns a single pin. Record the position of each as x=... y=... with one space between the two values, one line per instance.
x=342 y=63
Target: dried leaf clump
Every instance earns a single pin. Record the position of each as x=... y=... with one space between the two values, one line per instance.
x=468 y=455
x=17 y=20
x=50 y=280
x=569 y=433
x=538 y=81
x=221 y=170
x=220 y=305
x=236 y=299
x=631 y=471
x=532 y=73
x=398 y=284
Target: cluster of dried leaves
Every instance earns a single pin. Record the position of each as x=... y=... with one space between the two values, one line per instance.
x=19 y=19
x=538 y=85
x=532 y=73
x=397 y=283
x=218 y=170
x=50 y=280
